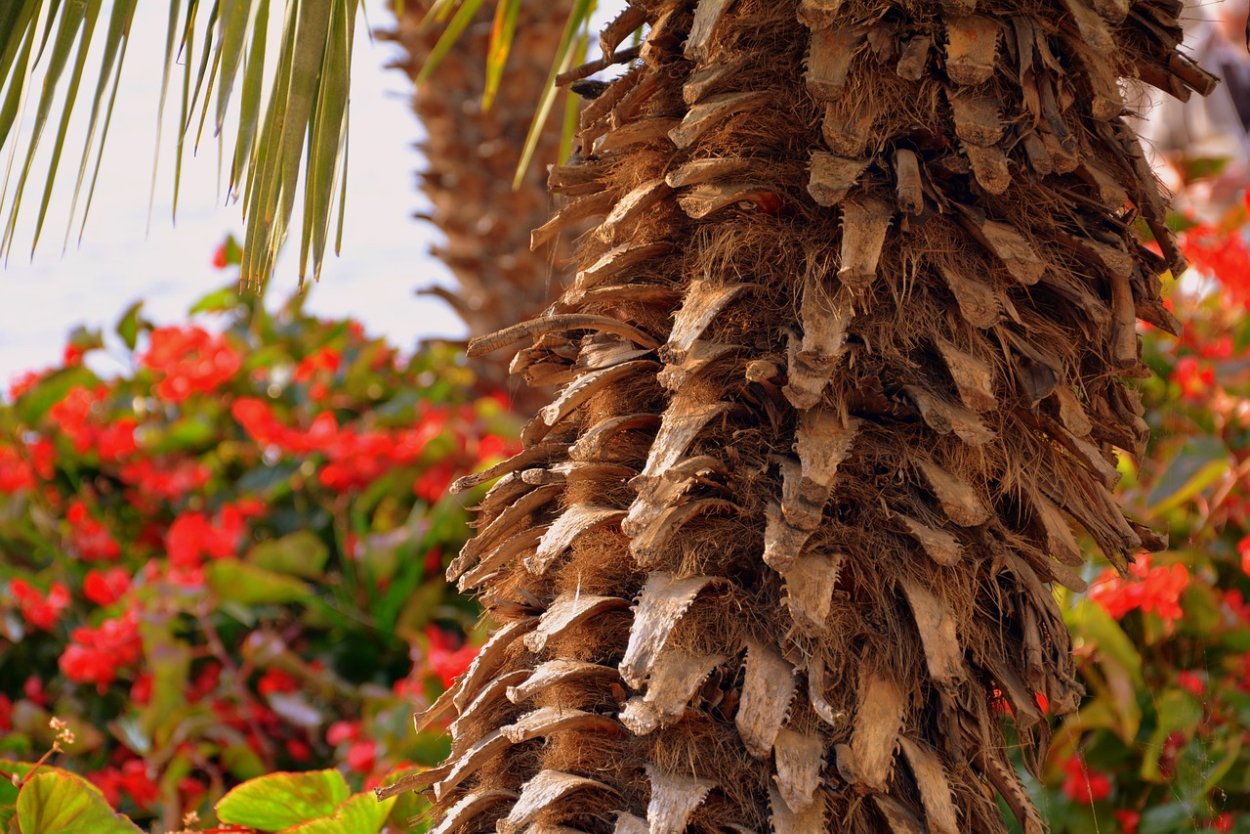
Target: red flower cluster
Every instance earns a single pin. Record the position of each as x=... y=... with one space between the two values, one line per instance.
x=79 y=417
x=194 y=536
x=361 y=754
x=1196 y=380
x=15 y=473
x=189 y=360
x=130 y=781
x=95 y=655
x=1084 y=785
x=39 y=610
x=90 y=537
x=315 y=369
x=105 y=587
x=1152 y=589
x=1221 y=254
x=170 y=482
x=444 y=658
x=354 y=458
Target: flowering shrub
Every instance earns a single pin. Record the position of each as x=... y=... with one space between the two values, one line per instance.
x=1160 y=744
x=215 y=565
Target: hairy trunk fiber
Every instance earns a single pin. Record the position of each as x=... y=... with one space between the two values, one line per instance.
x=842 y=365
x=473 y=154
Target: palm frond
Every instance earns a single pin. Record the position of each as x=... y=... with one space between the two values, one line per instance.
x=295 y=127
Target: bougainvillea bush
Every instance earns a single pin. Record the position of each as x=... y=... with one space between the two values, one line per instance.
x=1161 y=744
x=226 y=560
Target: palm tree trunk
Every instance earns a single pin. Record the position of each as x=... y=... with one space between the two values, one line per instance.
x=843 y=364
x=472 y=155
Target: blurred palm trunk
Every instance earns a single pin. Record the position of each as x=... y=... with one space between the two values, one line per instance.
x=472 y=155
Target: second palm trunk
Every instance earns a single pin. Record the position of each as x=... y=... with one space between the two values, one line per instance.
x=842 y=370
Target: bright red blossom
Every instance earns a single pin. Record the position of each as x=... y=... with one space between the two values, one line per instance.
x=105 y=587
x=15 y=473
x=130 y=781
x=1152 y=589
x=38 y=610
x=444 y=658
x=90 y=537
x=188 y=360
x=362 y=756
x=193 y=536
x=275 y=681
x=95 y=655
x=1084 y=785
x=1128 y=820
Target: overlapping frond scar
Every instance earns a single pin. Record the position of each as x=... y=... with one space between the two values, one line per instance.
x=842 y=377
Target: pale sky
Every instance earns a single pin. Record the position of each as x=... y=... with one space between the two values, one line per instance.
x=385 y=252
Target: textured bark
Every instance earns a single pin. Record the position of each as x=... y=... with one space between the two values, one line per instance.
x=472 y=156
x=799 y=555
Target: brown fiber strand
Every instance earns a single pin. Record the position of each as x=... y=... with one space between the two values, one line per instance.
x=891 y=287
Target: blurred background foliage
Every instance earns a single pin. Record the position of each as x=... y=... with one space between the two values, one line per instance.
x=227 y=560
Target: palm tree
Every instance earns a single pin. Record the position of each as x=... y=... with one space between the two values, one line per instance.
x=473 y=148
x=842 y=365
x=844 y=359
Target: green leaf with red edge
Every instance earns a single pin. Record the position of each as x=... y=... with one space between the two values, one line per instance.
x=1197 y=465
x=55 y=801
x=359 y=814
x=281 y=800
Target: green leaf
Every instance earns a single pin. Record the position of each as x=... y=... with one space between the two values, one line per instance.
x=1176 y=711
x=361 y=814
x=58 y=802
x=226 y=298
x=281 y=800
x=247 y=584
x=300 y=554
x=128 y=325
x=1198 y=464
x=1091 y=623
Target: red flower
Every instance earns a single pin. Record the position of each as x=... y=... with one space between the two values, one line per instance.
x=141 y=689
x=6 y=713
x=1195 y=381
x=362 y=756
x=1152 y=589
x=193 y=536
x=1083 y=785
x=1223 y=823
x=341 y=732
x=40 y=611
x=1128 y=820
x=97 y=654
x=433 y=482
x=90 y=537
x=15 y=473
x=1191 y=682
x=444 y=659
x=276 y=681
x=130 y=781
x=1222 y=255
x=188 y=360
x=1243 y=550
x=105 y=587
x=219 y=257
x=326 y=360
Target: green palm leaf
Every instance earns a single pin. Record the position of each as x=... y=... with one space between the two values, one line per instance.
x=298 y=126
